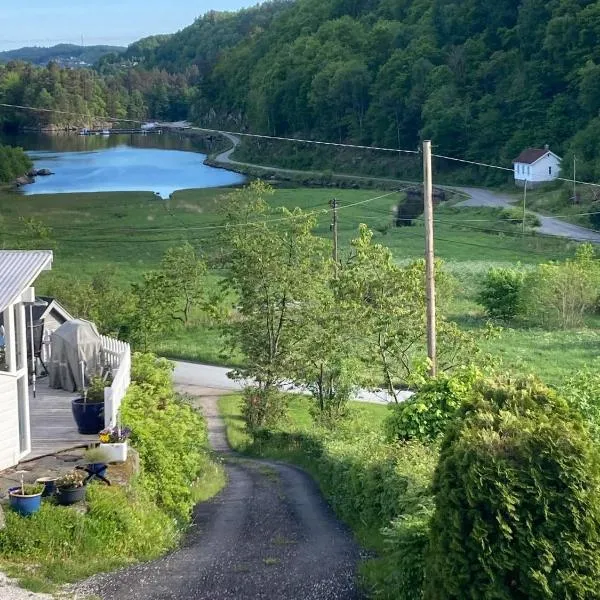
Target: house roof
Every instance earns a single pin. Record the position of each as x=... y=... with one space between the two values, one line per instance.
x=52 y=304
x=532 y=155
x=18 y=270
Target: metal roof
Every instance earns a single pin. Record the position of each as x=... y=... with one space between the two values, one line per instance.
x=18 y=270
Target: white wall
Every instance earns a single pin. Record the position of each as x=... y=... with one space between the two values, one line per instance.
x=538 y=171
x=9 y=421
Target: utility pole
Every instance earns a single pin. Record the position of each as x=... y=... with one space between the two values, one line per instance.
x=524 y=201
x=334 y=229
x=429 y=257
x=574 y=184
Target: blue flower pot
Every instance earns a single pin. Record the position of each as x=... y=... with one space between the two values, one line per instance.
x=89 y=416
x=24 y=505
x=49 y=484
x=97 y=468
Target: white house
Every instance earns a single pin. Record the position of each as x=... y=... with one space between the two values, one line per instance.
x=536 y=166
x=18 y=272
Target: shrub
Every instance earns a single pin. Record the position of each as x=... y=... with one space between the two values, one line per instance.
x=582 y=391
x=263 y=407
x=562 y=294
x=515 y=215
x=501 y=293
x=516 y=500
x=425 y=416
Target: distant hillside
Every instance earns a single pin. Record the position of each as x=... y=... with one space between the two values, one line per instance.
x=68 y=55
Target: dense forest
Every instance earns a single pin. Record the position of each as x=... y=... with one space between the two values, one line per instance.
x=13 y=163
x=70 y=54
x=482 y=79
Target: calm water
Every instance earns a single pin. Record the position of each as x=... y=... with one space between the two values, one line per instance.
x=155 y=163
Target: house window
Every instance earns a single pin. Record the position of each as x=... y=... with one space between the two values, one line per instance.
x=528 y=170
x=549 y=170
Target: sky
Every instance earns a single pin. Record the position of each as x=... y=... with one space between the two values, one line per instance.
x=114 y=22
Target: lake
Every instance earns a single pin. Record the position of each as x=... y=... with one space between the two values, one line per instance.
x=154 y=163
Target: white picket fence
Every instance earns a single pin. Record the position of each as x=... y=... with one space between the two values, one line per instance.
x=118 y=355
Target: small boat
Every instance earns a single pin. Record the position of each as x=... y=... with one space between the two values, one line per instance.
x=84 y=132
x=106 y=132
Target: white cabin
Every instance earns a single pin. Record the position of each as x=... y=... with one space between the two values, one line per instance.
x=536 y=166
x=18 y=271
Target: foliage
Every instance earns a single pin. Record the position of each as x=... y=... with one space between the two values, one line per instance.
x=31 y=489
x=562 y=294
x=581 y=390
x=72 y=480
x=94 y=393
x=169 y=435
x=426 y=415
x=511 y=462
x=501 y=292
x=515 y=215
x=276 y=273
x=13 y=163
x=114 y=435
x=263 y=407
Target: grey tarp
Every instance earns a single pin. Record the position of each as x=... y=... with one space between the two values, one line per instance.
x=71 y=343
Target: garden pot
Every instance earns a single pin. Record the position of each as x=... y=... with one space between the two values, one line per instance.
x=97 y=468
x=24 y=505
x=89 y=416
x=67 y=496
x=115 y=452
x=49 y=484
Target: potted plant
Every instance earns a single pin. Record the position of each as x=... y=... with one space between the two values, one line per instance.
x=97 y=459
x=26 y=499
x=88 y=410
x=113 y=441
x=71 y=488
x=49 y=484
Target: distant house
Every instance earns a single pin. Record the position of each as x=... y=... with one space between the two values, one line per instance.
x=536 y=166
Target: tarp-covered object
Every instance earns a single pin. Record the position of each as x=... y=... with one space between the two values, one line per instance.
x=73 y=342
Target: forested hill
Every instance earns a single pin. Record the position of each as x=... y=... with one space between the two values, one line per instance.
x=482 y=78
x=67 y=54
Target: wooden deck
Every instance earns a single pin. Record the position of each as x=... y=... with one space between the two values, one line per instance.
x=52 y=425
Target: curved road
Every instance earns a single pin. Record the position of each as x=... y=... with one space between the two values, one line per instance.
x=477 y=197
x=268 y=535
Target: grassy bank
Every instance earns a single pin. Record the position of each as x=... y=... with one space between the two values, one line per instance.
x=122 y=525
x=124 y=234
x=370 y=483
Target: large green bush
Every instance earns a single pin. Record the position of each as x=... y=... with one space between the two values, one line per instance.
x=426 y=414
x=516 y=500
x=501 y=292
x=582 y=392
x=170 y=436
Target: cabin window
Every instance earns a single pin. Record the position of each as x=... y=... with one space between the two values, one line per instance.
x=549 y=170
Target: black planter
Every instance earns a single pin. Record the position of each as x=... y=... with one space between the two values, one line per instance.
x=88 y=416
x=65 y=497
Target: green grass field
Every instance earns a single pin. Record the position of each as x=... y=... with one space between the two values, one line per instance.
x=125 y=234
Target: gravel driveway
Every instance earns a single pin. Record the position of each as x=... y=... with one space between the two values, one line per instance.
x=268 y=535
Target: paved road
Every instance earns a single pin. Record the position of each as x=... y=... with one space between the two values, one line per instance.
x=268 y=535
x=208 y=377
x=477 y=197
x=549 y=225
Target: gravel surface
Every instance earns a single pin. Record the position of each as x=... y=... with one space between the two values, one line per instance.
x=268 y=535
x=11 y=591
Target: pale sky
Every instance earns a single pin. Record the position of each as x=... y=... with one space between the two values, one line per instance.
x=114 y=22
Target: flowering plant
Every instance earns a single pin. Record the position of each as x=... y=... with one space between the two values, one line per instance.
x=114 y=435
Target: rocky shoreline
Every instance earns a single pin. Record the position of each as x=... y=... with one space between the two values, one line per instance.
x=30 y=176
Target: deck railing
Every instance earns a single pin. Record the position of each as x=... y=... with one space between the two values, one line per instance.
x=118 y=355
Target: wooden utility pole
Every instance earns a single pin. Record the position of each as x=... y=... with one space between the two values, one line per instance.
x=524 y=201
x=574 y=184
x=429 y=257
x=334 y=229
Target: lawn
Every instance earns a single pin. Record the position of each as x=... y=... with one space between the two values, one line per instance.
x=126 y=234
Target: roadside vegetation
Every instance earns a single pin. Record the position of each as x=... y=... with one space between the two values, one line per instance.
x=122 y=524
